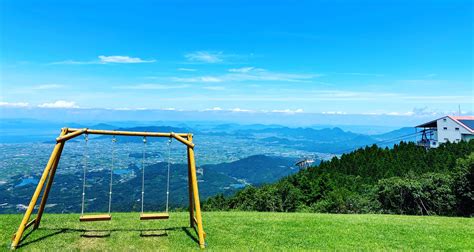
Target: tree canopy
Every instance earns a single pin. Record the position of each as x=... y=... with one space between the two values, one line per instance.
x=405 y=179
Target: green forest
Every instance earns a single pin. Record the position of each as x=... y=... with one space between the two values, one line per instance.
x=405 y=179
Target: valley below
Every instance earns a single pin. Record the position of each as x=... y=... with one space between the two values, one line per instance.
x=229 y=157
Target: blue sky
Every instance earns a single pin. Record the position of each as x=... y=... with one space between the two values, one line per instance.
x=344 y=57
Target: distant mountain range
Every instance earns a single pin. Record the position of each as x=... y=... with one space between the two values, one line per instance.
x=325 y=140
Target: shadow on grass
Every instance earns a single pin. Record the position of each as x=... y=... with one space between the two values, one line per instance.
x=189 y=234
x=56 y=231
x=147 y=234
x=96 y=234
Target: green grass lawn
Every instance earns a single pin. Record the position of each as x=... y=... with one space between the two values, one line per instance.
x=247 y=231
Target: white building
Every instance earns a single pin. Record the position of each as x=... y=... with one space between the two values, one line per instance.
x=446 y=129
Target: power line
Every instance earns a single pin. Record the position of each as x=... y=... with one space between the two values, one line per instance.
x=380 y=142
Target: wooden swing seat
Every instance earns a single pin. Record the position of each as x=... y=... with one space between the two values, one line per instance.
x=96 y=217
x=154 y=216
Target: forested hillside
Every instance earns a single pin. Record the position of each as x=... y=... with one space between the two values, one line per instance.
x=269 y=168
x=406 y=179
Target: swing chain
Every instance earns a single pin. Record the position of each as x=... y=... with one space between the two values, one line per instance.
x=168 y=178
x=143 y=171
x=86 y=139
x=114 y=140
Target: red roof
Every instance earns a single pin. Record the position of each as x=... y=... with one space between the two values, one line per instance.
x=464 y=121
x=462 y=117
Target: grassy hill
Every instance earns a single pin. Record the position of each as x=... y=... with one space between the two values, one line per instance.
x=248 y=231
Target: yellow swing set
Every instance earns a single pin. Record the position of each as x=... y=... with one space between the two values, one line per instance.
x=47 y=178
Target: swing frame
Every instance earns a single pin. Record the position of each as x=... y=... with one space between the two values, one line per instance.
x=195 y=218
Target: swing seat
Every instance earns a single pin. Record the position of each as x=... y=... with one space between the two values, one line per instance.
x=154 y=216
x=95 y=217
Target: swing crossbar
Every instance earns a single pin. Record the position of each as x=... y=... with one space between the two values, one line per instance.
x=126 y=133
x=95 y=217
x=154 y=216
x=182 y=137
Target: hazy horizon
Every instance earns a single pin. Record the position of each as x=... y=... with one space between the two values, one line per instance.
x=284 y=118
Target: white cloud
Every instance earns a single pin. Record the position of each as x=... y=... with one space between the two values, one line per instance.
x=287 y=111
x=14 y=104
x=240 y=110
x=259 y=74
x=123 y=59
x=102 y=59
x=147 y=86
x=214 y=109
x=48 y=86
x=144 y=108
x=334 y=113
x=272 y=76
x=59 y=104
x=241 y=70
x=409 y=113
x=392 y=113
x=210 y=79
x=344 y=95
x=205 y=57
x=249 y=74
x=423 y=111
x=187 y=69
x=449 y=99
